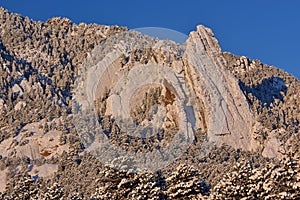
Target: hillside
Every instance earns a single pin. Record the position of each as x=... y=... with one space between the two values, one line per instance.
x=44 y=155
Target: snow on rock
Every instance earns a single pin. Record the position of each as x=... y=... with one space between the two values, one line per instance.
x=43 y=171
x=33 y=143
x=273 y=148
x=219 y=91
x=3 y=180
x=17 y=89
x=1 y=104
x=20 y=105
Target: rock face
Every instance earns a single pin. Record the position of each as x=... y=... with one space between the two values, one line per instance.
x=130 y=74
x=236 y=114
x=44 y=171
x=274 y=99
x=33 y=143
x=209 y=76
x=1 y=104
x=3 y=180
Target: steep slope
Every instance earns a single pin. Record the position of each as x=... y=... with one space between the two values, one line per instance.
x=42 y=151
x=43 y=60
x=274 y=97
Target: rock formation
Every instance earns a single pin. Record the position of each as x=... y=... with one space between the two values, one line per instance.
x=241 y=117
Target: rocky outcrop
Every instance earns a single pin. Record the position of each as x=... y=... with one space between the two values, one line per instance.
x=191 y=84
x=3 y=180
x=273 y=96
x=231 y=119
x=1 y=104
x=242 y=116
x=33 y=143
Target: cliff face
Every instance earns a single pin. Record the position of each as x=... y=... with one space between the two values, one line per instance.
x=230 y=107
x=269 y=92
x=247 y=113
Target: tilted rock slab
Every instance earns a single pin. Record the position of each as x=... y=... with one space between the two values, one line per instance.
x=207 y=72
x=194 y=84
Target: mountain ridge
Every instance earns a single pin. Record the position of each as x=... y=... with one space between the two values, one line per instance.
x=39 y=64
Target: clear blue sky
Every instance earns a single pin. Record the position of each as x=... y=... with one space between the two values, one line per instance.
x=268 y=30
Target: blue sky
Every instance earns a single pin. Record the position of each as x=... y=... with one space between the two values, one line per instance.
x=268 y=30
